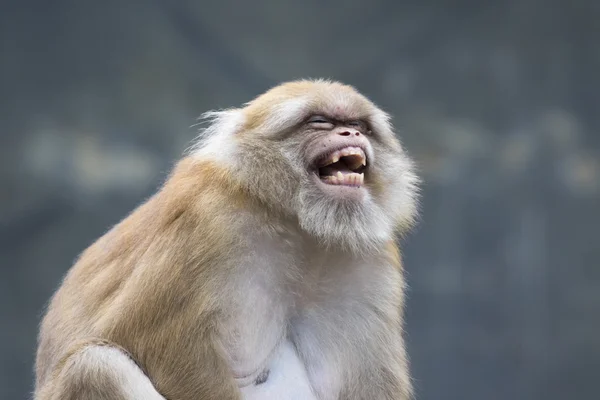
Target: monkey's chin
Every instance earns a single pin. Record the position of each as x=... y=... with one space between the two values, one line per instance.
x=343 y=217
x=346 y=192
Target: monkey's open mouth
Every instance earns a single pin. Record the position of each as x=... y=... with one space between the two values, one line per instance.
x=343 y=167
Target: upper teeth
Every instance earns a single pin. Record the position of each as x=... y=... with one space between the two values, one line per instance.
x=348 y=151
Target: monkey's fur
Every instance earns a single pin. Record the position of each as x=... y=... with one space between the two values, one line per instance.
x=242 y=255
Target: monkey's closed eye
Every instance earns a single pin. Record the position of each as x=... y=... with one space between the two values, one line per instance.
x=318 y=119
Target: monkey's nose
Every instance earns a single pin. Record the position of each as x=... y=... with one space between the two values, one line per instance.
x=348 y=133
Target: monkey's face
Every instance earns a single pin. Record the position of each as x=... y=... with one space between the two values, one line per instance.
x=326 y=155
x=356 y=184
x=336 y=156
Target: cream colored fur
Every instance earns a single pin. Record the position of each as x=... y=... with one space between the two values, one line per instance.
x=241 y=264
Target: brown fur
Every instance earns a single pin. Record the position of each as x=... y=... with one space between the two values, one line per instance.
x=168 y=246
x=156 y=284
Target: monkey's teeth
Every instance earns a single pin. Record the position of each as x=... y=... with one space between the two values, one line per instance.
x=358 y=161
x=352 y=179
x=348 y=151
x=335 y=157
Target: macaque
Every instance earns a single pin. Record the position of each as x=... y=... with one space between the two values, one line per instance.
x=265 y=267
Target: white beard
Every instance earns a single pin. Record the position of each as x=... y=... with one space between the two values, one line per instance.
x=356 y=226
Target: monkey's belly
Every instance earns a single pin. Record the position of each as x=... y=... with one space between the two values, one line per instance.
x=286 y=378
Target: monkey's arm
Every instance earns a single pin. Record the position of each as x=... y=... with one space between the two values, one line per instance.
x=168 y=313
x=180 y=374
x=382 y=373
x=152 y=287
x=173 y=335
x=96 y=369
x=387 y=368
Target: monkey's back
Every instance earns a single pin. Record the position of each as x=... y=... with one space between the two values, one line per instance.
x=146 y=277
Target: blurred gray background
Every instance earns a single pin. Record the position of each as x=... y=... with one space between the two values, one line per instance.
x=497 y=101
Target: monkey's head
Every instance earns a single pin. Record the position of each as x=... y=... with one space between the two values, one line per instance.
x=321 y=153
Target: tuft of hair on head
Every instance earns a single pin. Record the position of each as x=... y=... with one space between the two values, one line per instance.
x=215 y=134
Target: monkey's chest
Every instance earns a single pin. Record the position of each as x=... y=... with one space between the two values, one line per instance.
x=265 y=362
x=284 y=377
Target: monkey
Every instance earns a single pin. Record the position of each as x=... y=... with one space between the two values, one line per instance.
x=266 y=266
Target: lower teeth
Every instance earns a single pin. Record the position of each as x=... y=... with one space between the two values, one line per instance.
x=340 y=179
